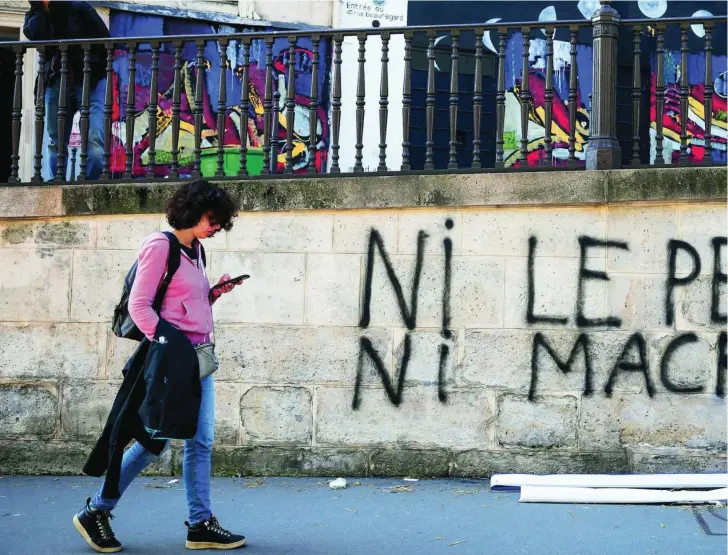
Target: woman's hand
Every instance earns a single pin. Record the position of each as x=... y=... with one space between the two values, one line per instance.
x=217 y=292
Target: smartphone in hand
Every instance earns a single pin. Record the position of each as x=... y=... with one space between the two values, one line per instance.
x=236 y=280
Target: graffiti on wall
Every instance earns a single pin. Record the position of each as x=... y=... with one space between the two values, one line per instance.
x=671 y=122
x=503 y=12
x=129 y=24
x=633 y=357
x=537 y=114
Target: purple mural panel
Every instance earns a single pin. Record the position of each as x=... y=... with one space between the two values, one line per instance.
x=131 y=24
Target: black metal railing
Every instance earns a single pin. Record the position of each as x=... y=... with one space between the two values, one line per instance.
x=133 y=153
x=681 y=108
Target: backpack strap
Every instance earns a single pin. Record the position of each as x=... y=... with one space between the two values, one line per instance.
x=172 y=265
x=204 y=258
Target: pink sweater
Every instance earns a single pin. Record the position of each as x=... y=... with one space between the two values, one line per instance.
x=186 y=304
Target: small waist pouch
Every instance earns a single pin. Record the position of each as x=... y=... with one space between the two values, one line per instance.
x=207 y=358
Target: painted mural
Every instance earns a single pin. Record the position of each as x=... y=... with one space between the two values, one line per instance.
x=537 y=114
x=459 y=12
x=696 y=116
x=421 y=13
x=130 y=24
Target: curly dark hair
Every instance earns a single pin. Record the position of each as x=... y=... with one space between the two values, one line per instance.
x=193 y=200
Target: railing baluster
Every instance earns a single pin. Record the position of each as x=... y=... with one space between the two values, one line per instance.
x=108 y=109
x=17 y=115
x=74 y=150
x=176 y=107
x=268 y=106
x=406 y=101
x=62 y=103
x=313 y=107
x=684 y=94
x=708 y=104
x=244 y=109
x=360 y=92
x=336 y=106
x=222 y=109
x=430 y=102
x=199 y=83
x=39 y=118
x=152 y=111
x=275 y=128
x=477 y=96
x=130 y=111
x=549 y=97
x=85 y=111
x=500 y=99
x=290 y=102
x=452 y=163
x=573 y=96
x=384 y=103
x=660 y=94
x=636 y=94
x=525 y=95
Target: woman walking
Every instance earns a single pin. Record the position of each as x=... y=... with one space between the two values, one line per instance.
x=181 y=322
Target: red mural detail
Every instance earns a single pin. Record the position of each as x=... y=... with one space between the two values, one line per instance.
x=671 y=119
x=210 y=139
x=559 y=125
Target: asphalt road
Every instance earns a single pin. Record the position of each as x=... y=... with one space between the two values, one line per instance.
x=285 y=516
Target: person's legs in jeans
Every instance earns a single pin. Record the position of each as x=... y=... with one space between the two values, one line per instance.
x=204 y=530
x=97 y=98
x=93 y=521
x=51 y=123
x=52 y=95
x=196 y=466
x=136 y=459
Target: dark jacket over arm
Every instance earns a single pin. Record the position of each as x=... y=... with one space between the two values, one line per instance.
x=158 y=399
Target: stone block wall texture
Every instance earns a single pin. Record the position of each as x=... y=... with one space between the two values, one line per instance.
x=424 y=342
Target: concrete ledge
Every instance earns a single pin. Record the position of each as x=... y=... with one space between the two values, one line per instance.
x=386 y=191
x=67 y=458
x=483 y=464
x=281 y=461
x=60 y=458
x=410 y=463
x=652 y=463
x=35 y=458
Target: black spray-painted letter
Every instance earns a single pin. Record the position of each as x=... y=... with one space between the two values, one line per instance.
x=636 y=340
x=540 y=341
x=673 y=247
x=531 y=318
x=719 y=278
x=409 y=315
x=674 y=345
x=585 y=243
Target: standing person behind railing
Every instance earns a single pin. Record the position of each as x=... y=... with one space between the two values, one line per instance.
x=58 y=20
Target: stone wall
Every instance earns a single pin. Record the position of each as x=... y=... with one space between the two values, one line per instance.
x=451 y=340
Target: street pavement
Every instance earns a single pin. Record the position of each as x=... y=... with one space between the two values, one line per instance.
x=302 y=516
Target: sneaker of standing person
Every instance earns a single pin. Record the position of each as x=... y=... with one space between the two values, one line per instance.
x=210 y=535
x=95 y=528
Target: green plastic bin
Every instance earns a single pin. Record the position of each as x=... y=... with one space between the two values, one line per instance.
x=232 y=161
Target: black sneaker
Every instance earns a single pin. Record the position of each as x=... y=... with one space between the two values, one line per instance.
x=94 y=527
x=210 y=535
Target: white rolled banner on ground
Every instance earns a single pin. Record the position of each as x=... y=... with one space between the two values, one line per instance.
x=641 y=481
x=538 y=494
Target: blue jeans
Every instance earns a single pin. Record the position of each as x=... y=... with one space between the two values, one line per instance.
x=196 y=465
x=97 y=95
